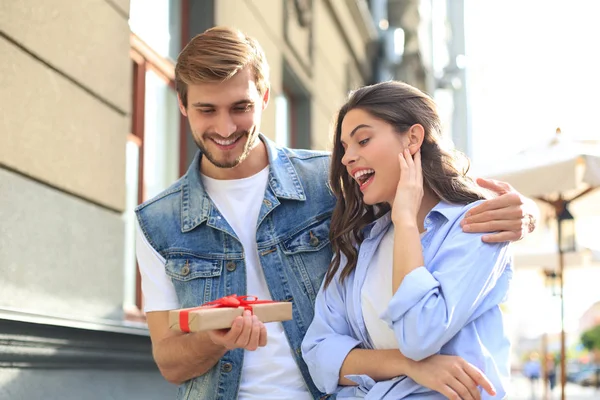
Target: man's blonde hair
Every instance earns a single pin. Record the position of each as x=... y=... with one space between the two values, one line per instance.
x=217 y=55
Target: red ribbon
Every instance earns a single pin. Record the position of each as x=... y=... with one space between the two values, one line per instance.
x=231 y=301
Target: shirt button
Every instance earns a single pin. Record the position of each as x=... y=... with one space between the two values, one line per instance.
x=227 y=367
x=230 y=266
x=428 y=221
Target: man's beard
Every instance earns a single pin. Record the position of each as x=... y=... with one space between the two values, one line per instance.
x=225 y=163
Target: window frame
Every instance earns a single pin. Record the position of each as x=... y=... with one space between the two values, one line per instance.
x=145 y=59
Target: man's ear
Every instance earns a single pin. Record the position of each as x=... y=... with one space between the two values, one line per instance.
x=266 y=97
x=181 y=106
x=415 y=136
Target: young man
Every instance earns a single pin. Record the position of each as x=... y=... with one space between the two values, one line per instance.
x=248 y=218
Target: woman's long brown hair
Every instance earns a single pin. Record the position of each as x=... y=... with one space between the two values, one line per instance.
x=444 y=168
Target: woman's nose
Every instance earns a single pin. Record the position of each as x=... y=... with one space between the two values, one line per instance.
x=348 y=158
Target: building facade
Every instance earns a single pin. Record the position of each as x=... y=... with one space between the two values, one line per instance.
x=90 y=128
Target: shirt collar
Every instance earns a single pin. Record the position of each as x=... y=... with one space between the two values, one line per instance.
x=448 y=211
x=195 y=202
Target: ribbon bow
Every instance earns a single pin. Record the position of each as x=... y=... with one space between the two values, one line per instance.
x=231 y=301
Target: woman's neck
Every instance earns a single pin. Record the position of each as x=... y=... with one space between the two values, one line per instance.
x=429 y=201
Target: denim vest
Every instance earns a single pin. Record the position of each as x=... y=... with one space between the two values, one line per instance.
x=205 y=259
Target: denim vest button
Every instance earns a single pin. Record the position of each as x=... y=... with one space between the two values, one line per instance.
x=314 y=241
x=227 y=367
x=230 y=266
x=267 y=203
x=185 y=270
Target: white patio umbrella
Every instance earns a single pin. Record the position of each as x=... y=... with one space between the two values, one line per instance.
x=561 y=166
x=556 y=172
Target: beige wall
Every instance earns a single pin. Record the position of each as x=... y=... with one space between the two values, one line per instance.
x=250 y=17
x=65 y=96
x=325 y=78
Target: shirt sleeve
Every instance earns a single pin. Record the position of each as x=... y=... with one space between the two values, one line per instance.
x=432 y=304
x=158 y=290
x=328 y=339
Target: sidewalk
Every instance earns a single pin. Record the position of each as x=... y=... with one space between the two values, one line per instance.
x=521 y=390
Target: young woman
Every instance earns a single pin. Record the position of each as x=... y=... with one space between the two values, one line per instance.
x=404 y=274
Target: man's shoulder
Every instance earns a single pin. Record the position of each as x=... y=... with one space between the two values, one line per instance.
x=169 y=193
x=309 y=163
x=306 y=155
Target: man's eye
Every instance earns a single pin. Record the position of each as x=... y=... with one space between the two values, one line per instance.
x=363 y=142
x=206 y=111
x=243 y=109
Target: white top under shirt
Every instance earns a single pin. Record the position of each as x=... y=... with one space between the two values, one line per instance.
x=270 y=372
x=376 y=293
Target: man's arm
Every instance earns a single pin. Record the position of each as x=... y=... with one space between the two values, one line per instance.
x=512 y=215
x=181 y=356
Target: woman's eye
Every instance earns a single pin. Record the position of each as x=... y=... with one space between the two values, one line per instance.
x=363 y=142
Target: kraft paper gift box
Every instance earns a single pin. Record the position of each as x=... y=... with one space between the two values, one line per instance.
x=219 y=314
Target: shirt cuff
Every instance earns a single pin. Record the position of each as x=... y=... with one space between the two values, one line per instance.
x=415 y=285
x=364 y=382
x=337 y=349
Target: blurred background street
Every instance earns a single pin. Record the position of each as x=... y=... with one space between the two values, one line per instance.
x=91 y=128
x=521 y=390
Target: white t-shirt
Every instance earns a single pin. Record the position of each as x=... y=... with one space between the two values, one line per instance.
x=270 y=372
x=376 y=293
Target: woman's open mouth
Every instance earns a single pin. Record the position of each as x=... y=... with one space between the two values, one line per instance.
x=364 y=177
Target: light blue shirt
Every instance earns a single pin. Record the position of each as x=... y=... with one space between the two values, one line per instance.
x=449 y=306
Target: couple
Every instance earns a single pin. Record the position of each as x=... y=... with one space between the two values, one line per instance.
x=392 y=298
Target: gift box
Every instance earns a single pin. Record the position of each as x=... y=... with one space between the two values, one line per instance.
x=219 y=314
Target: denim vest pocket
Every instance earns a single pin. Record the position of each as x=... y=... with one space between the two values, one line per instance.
x=309 y=249
x=194 y=279
x=313 y=237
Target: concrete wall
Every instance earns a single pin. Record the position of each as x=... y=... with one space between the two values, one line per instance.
x=65 y=96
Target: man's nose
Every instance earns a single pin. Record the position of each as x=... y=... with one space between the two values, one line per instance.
x=225 y=126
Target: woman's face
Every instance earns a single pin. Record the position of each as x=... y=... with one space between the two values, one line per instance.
x=371 y=154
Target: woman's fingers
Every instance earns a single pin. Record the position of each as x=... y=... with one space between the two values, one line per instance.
x=479 y=378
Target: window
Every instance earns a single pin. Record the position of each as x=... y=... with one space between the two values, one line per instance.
x=153 y=150
x=158 y=24
x=283 y=126
x=293 y=110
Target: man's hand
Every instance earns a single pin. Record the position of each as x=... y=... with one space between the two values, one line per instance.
x=246 y=332
x=451 y=376
x=510 y=214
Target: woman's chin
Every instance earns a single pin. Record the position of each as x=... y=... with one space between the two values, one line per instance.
x=370 y=200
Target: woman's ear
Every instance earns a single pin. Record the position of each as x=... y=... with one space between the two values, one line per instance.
x=415 y=135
